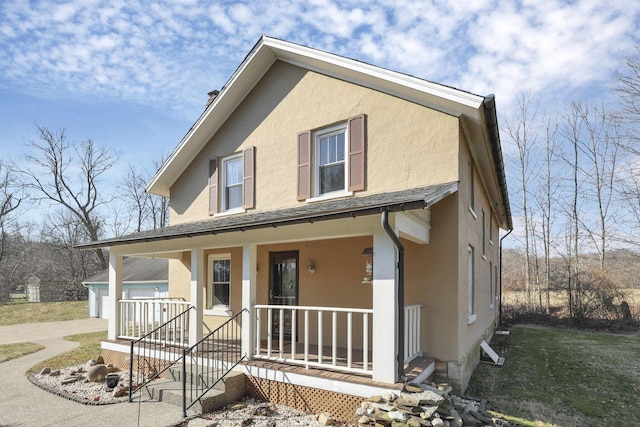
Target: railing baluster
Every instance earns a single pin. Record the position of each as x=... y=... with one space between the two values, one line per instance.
x=294 y=318
x=306 y=337
x=319 y=336
x=334 y=338
x=257 y=331
x=349 y=339
x=365 y=341
x=269 y=330
x=281 y=333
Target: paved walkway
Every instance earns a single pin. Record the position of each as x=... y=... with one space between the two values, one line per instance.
x=24 y=404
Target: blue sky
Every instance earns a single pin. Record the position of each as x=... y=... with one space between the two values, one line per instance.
x=135 y=74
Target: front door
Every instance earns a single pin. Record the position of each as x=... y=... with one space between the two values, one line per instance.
x=283 y=288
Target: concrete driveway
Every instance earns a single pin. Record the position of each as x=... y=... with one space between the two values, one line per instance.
x=24 y=404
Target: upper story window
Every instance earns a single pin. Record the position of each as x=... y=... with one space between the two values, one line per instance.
x=232 y=189
x=329 y=166
x=332 y=160
x=232 y=182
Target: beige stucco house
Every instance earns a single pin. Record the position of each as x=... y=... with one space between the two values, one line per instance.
x=347 y=214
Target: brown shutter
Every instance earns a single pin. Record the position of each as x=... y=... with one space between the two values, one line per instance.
x=213 y=186
x=248 y=179
x=357 y=153
x=304 y=165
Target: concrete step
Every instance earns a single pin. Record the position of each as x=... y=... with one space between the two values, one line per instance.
x=175 y=373
x=230 y=389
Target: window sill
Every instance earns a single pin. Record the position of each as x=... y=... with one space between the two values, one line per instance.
x=230 y=212
x=329 y=196
x=473 y=213
x=217 y=312
x=484 y=257
x=471 y=318
x=491 y=241
x=490 y=306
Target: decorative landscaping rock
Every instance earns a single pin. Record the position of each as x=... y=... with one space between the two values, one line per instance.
x=425 y=405
x=120 y=391
x=45 y=371
x=97 y=373
x=237 y=406
x=325 y=419
x=70 y=379
x=100 y=360
x=264 y=409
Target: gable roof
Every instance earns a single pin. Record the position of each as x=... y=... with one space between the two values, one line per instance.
x=476 y=112
x=137 y=269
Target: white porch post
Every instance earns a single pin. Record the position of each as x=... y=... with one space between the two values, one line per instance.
x=385 y=261
x=197 y=295
x=249 y=271
x=115 y=294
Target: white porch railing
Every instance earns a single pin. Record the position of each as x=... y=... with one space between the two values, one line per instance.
x=412 y=344
x=141 y=316
x=310 y=344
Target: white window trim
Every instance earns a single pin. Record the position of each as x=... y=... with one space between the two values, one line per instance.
x=216 y=311
x=332 y=195
x=473 y=213
x=315 y=163
x=471 y=315
x=230 y=212
x=490 y=228
x=223 y=185
x=491 y=284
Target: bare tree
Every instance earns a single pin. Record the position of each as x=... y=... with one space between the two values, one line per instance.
x=159 y=206
x=548 y=186
x=69 y=174
x=523 y=134
x=572 y=131
x=147 y=210
x=601 y=151
x=10 y=194
x=138 y=200
x=628 y=88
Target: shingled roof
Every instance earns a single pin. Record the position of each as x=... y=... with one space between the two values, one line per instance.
x=415 y=198
x=137 y=269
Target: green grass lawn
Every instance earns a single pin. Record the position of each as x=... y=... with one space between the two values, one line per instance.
x=89 y=349
x=13 y=351
x=18 y=312
x=563 y=377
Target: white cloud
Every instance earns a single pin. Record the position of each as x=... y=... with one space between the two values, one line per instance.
x=169 y=54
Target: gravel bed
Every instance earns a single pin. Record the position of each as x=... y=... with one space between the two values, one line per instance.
x=83 y=390
x=252 y=412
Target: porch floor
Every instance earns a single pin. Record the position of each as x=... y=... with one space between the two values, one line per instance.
x=412 y=371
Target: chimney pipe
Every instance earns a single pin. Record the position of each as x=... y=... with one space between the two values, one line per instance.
x=212 y=96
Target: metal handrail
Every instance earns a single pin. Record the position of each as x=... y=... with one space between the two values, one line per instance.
x=153 y=353
x=215 y=356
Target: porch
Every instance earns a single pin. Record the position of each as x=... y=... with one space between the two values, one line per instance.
x=314 y=339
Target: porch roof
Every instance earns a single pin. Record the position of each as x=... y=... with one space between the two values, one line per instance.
x=415 y=198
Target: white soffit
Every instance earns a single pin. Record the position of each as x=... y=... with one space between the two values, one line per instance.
x=442 y=98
